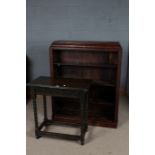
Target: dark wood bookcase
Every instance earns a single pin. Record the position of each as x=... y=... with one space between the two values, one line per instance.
x=98 y=61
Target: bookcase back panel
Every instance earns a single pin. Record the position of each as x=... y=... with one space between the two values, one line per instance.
x=106 y=74
x=105 y=93
x=85 y=57
x=68 y=106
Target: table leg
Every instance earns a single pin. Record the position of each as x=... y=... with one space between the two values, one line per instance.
x=83 y=116
x=52 y=108
x=86 y=113
x=35 y=115
x=45 y=108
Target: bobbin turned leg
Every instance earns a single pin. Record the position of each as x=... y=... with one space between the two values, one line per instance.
x=45 y=108
x=52 y=107
x=86 y=113
x=84 y=124
x=35 y=115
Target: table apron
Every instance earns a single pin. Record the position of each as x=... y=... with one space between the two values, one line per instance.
x=58 y=92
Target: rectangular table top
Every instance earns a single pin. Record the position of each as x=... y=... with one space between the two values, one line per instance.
x=61 y=83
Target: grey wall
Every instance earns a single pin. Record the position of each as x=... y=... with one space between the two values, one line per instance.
x=49 y=20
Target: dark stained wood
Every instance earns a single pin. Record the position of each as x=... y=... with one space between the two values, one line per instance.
x=114 y=46
x=61 y=88
x=59 y=135
x=61 y=83
x=85 y=65
x=99 y=62
x=51 y=122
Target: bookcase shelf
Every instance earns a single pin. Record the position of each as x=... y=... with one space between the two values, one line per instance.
x=98 y=61
x=104 y=83
x=85 y=65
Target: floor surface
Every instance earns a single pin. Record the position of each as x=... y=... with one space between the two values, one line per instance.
x=98 y=140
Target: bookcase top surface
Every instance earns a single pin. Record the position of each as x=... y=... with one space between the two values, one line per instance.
x=86 y=44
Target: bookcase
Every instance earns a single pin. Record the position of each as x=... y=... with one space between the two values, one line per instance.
x=97 y=61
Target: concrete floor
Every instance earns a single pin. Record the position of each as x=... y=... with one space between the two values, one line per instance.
x=99 y=140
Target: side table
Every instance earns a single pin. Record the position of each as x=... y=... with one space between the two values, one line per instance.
x=71 y=88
